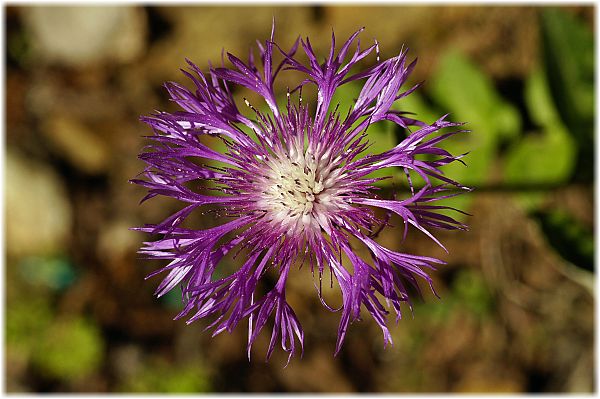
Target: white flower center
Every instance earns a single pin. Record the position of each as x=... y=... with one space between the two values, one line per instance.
x=298 y=190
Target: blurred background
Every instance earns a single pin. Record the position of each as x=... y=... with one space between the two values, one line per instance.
x=516 y=313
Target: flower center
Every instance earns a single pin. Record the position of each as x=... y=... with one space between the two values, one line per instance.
x=296 y=189
x=297 y=186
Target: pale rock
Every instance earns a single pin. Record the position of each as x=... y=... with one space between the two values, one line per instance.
x=82 y=35
x=82 y=146
x=38 y=214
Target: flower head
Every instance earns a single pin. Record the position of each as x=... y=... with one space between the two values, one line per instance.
x=295 y=188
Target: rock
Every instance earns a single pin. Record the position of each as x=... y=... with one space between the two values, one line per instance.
x=117 y=241
x=38 y=214
x=76 y=36
x=77 y=143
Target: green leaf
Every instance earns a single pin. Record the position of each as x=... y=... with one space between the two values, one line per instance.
x=540 y=158
x=69 y=350
x=165 y=378
x=26 y=322
x=472 y=293
x=568 y=49
x=345 y=95
x=416 y=104
x=382 y=137
x=462 y=88
x=573 y=241
x=538 y=99
x=568 y=54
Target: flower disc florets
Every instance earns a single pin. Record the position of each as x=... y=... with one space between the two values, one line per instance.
x=295 y=185
x=297 y=188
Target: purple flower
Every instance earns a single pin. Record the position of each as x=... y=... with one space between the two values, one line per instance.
x=295 y=187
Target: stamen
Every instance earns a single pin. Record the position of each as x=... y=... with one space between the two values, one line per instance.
x=293 y=185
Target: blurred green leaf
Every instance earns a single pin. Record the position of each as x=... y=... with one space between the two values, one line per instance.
x=346 y=95
x=541 y=159
x=472 y=292
x=460 y=87
x=164 y=378
x=26 y=322
x=568 y=54
x=463 y=89
x=416 y=104
x=69 y=350
x=436 y=312
x=546 y=157
x=569 y=61
x=538 y=99
x=468 y=291
x=568 y=237
x=381 y=137
x=538 y=160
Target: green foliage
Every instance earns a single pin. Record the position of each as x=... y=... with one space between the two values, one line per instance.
x=69 y=350
x=416 y=104
x=568 y=237
x=346 y=95
x=568 y=55
x=164 y=378
x=381 y=138
x=538 y=100
x=544 y=157
x=568 y=46
x=468 y=93
x=464 y=90
x=468 y=291
x=216 y=144
x=26 y=322
x=539 y=159
x=472 y=293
